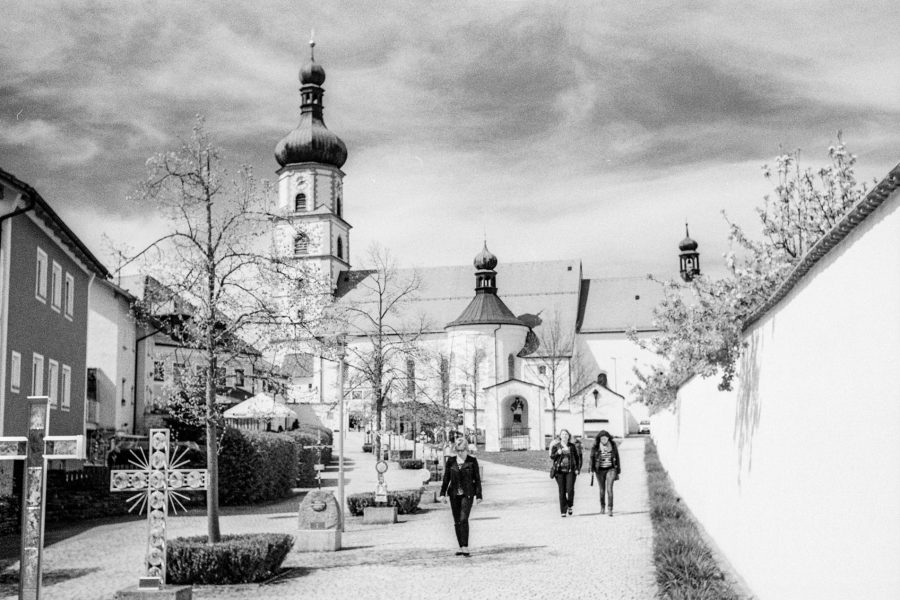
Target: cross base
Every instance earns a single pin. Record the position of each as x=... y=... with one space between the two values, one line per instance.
x=172 y=592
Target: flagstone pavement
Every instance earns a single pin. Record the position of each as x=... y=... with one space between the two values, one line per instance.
x=520 y=547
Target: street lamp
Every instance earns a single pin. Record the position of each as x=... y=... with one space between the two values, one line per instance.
x=342 y=352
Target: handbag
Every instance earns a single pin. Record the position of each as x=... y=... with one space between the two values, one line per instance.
x=553 y=470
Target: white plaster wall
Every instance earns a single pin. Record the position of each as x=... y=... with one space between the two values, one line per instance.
x=103 y=349
x=795 y=474
x=618 y=356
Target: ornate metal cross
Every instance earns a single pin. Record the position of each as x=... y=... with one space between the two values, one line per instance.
x=36 y=449
x=157 y=481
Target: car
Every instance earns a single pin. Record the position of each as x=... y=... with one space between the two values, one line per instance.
x=644 y=426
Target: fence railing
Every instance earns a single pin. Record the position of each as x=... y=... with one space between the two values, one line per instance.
x=514 y=438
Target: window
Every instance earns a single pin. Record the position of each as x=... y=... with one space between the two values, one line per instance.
x=220 y=376
x=340 y=248
x=356 y=395
x=445 y=378
x=301 y=245
x=337 y=206
x=410 y=378
x=92 y=383
x=300 y=202
x=239 y=377
x=542 y=370
x=511 y=366
x=159 y=370
x=70 y=296
x=40 y=276
x=53 y=387
x=178 y=371
x=15 y=371
x=56 y=287
x=66 y=387
x=37 y=375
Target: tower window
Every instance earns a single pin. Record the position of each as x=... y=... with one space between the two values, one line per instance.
x=301 y=245
x=300 y=202
x=511 y=366
x=340 y=248
x=337 y=206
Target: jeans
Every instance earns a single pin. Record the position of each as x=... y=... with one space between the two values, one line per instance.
x=460 y=506
x=605 y=479
x=566 y=484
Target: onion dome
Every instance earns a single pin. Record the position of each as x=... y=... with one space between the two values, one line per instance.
x=687 y=244
x=485 y=261
x=311 y=141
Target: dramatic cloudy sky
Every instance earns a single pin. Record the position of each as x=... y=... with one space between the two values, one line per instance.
x=587 y=130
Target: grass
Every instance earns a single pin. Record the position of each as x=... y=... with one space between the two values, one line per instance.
x=536 y=460
x=685 y=566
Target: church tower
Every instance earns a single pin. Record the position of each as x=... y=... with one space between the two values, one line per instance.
x=310 y=184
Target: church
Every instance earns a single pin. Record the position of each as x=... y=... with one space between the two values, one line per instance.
x=519 y=349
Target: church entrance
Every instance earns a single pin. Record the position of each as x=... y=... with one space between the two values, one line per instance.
x=514 y=428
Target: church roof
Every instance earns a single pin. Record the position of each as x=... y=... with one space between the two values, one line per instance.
x=617 y=304
x=487 y=309
x=544 y=288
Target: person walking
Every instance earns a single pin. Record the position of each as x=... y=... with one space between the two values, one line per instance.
x=462 y=486
x=605 y=463
x=567 y=466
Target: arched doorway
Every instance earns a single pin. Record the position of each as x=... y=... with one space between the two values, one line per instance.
x=514 y=426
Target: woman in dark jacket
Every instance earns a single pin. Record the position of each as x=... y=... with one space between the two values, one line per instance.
x=605 y=463
x=462 y=485
x=567 y=463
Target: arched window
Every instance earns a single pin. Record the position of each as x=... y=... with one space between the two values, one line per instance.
x=511 y=366
x=301 y=244
x=337 y=206
x=300 y=202
x=340 y=248
x=410 y=378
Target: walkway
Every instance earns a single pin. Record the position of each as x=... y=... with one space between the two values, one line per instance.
x=520 y=546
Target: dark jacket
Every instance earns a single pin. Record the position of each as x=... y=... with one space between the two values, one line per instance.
x=466 y=475
x=574 y=455
x=595 y=455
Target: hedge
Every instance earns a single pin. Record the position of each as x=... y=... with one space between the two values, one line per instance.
x=244 y=558
x=255 y=466
x=406 y=501
x=411 y=463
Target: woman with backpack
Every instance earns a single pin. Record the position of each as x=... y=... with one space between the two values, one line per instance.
x=566 y=466
x=605 y=463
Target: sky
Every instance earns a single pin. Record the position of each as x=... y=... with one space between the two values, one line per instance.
x=587 y=129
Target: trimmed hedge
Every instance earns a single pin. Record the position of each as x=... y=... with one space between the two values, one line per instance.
x=406 y=501
x=235 y=559
x=255 y=466
x=411 y=463
x=368 y=447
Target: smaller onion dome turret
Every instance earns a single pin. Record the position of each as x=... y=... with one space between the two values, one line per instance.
x=688 y=257
x=485 y=260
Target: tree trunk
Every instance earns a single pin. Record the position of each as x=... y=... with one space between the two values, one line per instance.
x=212 y=464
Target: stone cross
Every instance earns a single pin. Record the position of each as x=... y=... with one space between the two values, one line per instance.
x=158 y=480
x=36 y=449
x=319 y=466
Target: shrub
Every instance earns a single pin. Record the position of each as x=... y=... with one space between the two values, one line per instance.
x=235 y=559
x=255 y=466
x=310 y=435
x=368 y=447
x=411 y=463
x=406 y=501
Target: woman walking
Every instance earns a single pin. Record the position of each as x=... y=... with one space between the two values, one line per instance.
x=567 y=466
x=605 y=463
x=462 y=485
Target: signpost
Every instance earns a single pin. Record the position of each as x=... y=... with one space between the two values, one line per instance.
x=158 y=480
x=36 y=449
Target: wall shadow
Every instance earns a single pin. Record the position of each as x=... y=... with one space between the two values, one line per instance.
x=748 y=407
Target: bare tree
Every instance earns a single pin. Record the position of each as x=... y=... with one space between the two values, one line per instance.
x=380 y=339
x=470 y=370
x=224 y=286
x=552 y=361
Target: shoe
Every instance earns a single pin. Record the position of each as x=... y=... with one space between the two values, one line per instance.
x=610 y=512
x=464 y=553
x=602 y=510
x=570 y=511
x=563 y=515
x=460 y=553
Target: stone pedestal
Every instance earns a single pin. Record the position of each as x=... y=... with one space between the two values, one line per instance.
x=325 y=540
x=169 y=592
x=379 y=515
